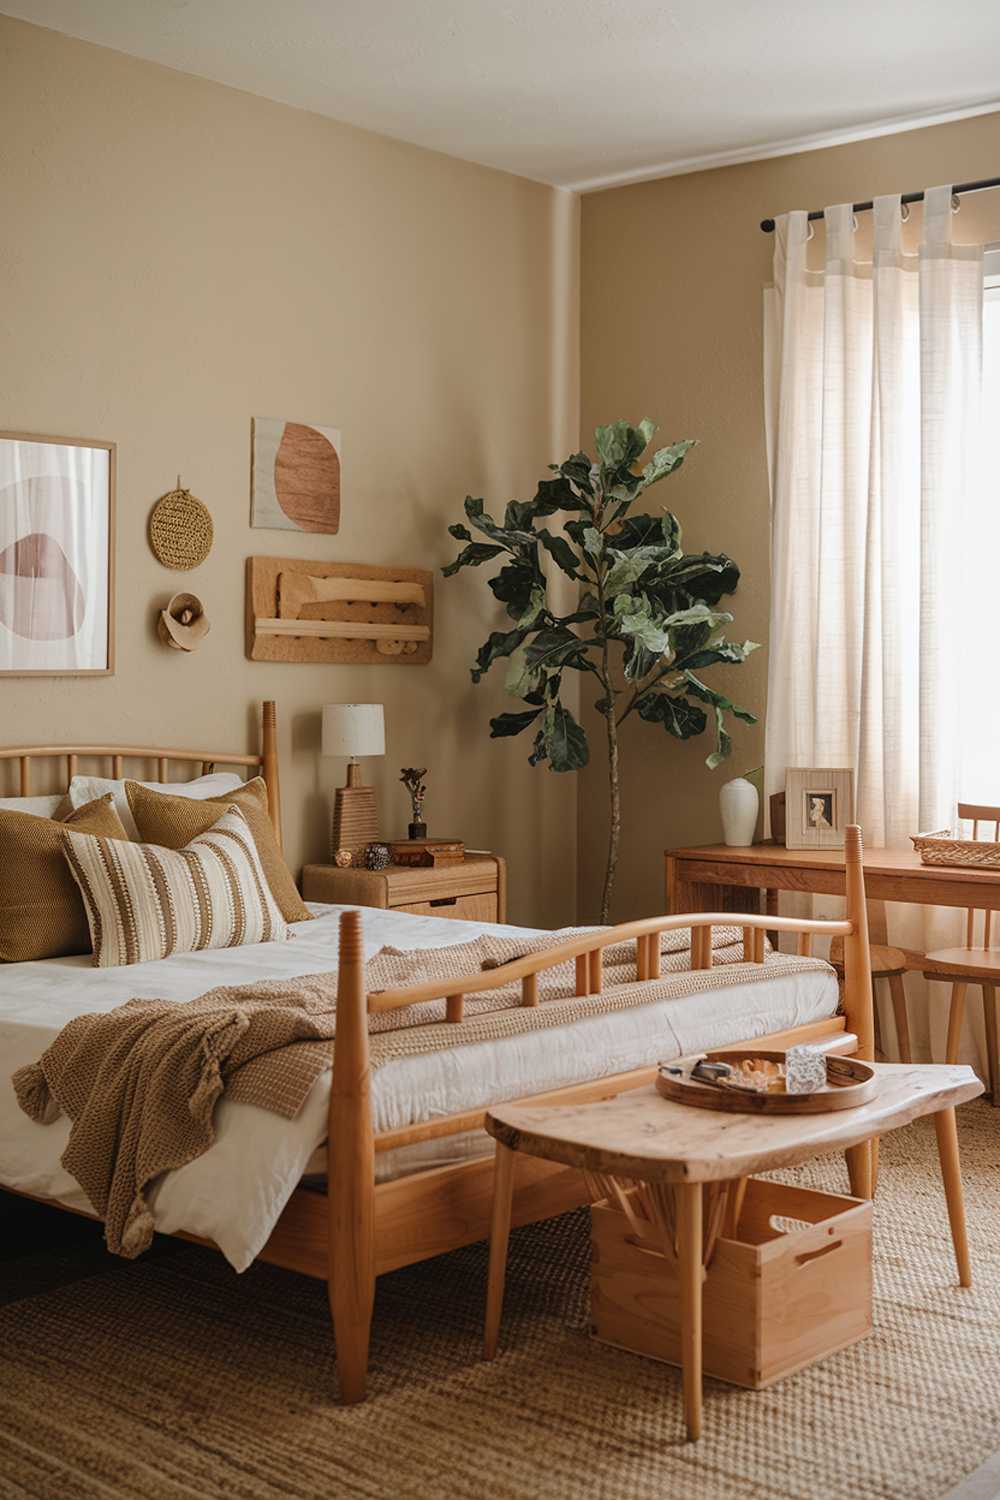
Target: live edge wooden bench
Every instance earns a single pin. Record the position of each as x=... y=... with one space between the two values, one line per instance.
x=683 y=1155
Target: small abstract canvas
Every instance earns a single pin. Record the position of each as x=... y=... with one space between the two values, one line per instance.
x=56 y=551
x=295 y=483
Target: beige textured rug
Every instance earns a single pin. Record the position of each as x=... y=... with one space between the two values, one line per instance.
x=175 y=1378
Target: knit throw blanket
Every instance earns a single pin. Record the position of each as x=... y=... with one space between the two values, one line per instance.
x=140 y=1083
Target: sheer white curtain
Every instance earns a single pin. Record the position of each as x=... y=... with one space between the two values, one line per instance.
x=872 y=382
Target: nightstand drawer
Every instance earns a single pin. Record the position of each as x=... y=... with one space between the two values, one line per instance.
x=473 y=889
x=479 y=908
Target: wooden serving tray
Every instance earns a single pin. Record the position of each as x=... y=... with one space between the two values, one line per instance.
x=850 y=1082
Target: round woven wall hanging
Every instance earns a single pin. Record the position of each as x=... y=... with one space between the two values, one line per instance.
x=180 y=530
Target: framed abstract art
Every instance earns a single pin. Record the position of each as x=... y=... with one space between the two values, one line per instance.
x=295 y=476
x=57 y=549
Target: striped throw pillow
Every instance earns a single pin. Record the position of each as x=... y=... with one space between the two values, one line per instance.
x=144 y=902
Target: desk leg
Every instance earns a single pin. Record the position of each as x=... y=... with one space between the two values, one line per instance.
x=771 y=909
x=503 y=1190
x=689 y=1229
x=951 y=1176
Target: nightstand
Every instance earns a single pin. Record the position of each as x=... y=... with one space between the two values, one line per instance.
x=474 y=890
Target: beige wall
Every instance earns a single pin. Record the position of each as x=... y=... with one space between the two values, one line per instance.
x=177 y=257
x=671 y=329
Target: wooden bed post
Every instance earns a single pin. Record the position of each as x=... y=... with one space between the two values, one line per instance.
x=269 y=759
x=351 y=1171
x=858 y=1002
x=859 y=1006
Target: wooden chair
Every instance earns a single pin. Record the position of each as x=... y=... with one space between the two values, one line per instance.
x=887 y=963
x=972 y=964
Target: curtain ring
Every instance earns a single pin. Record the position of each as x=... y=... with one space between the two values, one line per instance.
x=904 y=212
x=955 y=205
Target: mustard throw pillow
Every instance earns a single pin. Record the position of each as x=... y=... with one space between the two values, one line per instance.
x=41 y=913
x=172 y=822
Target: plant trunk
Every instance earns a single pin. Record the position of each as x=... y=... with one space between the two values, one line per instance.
x=614 y=828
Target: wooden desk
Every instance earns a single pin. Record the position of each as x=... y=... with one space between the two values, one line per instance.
x=717 y=878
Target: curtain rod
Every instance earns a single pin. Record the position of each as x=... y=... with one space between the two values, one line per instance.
x=859 y=208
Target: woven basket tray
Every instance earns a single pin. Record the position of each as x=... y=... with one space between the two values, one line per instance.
x=945 y=848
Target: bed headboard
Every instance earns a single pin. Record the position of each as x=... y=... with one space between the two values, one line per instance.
x=265 y=763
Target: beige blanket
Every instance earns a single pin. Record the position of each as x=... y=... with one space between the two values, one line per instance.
x=140 y=1083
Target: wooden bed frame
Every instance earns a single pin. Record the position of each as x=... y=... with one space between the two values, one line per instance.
x=360 y=1229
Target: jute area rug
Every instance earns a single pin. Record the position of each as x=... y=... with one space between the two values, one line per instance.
x=174 y=1378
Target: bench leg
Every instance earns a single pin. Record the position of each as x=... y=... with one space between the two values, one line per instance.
x=689 y=1231
x=859 y=1169
x=503 y=1190
x=951 y=1176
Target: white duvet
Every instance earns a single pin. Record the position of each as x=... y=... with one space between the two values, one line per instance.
x=234 y=1194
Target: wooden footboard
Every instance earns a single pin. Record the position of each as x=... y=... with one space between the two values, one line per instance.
x=376 y=1228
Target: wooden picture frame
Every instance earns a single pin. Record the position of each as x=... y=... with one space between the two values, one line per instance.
x=819 y=805
x=57 y=556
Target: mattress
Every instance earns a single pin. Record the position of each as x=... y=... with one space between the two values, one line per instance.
x=235 y=1193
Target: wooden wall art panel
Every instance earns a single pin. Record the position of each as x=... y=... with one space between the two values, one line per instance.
x=352 y=613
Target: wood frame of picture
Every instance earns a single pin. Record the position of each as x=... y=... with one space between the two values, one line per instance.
x=832 y=789
x=107 y=670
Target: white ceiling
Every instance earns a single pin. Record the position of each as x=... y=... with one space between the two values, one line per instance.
x=577 y=92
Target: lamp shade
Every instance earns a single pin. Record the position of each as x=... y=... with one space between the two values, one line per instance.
x=353 y=729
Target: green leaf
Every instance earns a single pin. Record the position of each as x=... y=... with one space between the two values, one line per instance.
x=628 y=568
x=505 y=725
x=471 y=557
x=460 y=532
x=722 y=705
x=619 y=444
x=515 y=540
x=718 y=700
x=522 y=679
x=633 y=618
x=558 y=494
x=565 y=740
x=664 y=461
x=612 y=443
x=515 y=585
x=679 y=717
x=552 y=648
x=648 y=531
x=500 y=643
x=558 y=548
x=593 y=542
x=577 y=471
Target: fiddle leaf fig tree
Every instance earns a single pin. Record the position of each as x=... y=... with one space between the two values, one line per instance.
x=647 y=622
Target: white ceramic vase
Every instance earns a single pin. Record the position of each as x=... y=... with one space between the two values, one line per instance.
x=739 y=804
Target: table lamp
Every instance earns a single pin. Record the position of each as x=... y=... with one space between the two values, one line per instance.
x=353 y=730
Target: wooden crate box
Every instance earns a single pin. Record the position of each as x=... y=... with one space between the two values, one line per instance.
x=776 y=1297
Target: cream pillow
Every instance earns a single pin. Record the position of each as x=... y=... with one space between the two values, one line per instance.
x=39 y=807
x=144 y=902
x=84 y=789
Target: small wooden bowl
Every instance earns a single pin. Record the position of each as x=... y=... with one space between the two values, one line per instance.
x=850 y=1082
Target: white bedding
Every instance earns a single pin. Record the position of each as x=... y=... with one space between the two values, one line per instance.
x=236 y=1191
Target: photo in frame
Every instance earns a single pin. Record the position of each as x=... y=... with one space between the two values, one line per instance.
x=819 y=804
x=57 y=547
